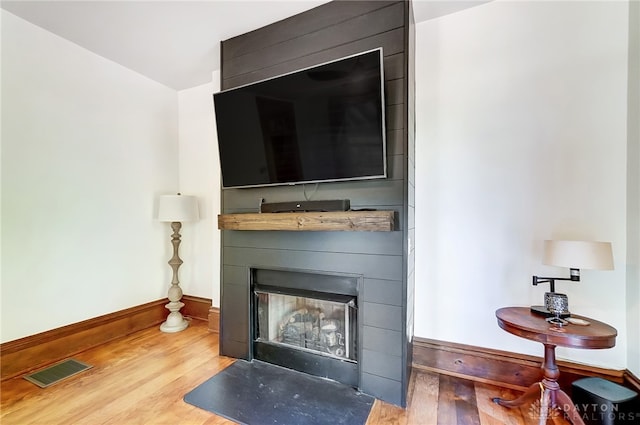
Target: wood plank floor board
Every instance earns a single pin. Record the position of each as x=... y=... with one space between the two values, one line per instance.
x=142 y=379
x=385 y=413
x=465 y=402
x=447 y=414
x=423 y=399
x=493 y=414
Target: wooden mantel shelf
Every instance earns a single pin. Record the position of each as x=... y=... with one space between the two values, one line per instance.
x=367 y=221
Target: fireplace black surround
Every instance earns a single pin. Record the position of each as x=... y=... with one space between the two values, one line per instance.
x=307 y=322
x=381 y=262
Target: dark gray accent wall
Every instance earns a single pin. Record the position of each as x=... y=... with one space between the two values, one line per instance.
x=383 y=259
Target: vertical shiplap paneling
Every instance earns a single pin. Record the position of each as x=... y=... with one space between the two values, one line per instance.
x=329 y=32
x=411 y=178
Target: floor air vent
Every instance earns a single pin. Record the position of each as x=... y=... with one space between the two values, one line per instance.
x=59 y=371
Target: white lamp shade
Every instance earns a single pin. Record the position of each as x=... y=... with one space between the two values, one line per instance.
x=578 y=254
x=177 y=208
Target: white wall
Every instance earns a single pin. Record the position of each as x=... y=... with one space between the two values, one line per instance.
x=87 y=145
x=200 y=176
x=521 y=137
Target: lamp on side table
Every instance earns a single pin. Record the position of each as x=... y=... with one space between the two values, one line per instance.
x=575 y=255
x=176 y=209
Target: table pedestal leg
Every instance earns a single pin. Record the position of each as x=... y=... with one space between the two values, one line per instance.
x=548 y=391
x=532 y=393
x=569 y=408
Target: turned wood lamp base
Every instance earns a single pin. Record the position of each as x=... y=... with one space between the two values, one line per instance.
x=175 y=321
x=175 y=209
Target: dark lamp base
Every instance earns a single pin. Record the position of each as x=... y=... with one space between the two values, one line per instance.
x=540 y=310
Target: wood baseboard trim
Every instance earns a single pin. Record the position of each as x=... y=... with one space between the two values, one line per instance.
x=35 y=351
x=201 y=309
x=196 y=307
x=501 y=368
x=632 y=381
x=214 y=319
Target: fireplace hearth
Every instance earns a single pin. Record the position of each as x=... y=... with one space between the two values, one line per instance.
x=307 y=322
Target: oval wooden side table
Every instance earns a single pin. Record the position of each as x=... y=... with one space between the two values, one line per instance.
x=522 y=322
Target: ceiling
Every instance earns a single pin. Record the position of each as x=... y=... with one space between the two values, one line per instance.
x=176 y=43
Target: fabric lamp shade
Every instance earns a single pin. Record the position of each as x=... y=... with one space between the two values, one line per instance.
x=177 y=208
x=578 y=254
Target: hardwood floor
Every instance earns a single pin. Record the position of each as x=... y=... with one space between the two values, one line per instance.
x=141 y=379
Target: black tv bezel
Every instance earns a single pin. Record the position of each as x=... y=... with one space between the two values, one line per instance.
x=383 y=129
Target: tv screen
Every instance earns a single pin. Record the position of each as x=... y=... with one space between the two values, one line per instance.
x=324 y=123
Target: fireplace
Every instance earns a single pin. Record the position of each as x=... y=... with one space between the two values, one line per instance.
x=306 y=321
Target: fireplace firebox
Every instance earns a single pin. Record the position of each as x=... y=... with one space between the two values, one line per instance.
x=321 y=326
x=307 y=322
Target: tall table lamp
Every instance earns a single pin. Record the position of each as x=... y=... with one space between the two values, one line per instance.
x=176 y=209
x=575 y=255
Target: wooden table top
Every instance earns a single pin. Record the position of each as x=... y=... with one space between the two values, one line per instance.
x=522 y=322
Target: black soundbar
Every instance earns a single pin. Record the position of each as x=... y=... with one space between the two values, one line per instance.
x=308 y=206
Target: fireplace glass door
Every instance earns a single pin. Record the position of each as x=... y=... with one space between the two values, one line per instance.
x=321 y=326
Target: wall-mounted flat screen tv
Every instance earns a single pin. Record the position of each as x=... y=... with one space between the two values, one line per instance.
x=324 y=123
